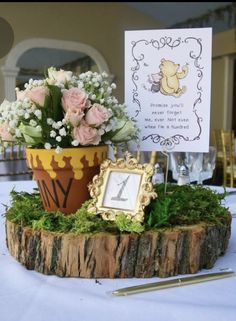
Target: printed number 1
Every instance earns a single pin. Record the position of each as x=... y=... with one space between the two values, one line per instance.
x=118 y=196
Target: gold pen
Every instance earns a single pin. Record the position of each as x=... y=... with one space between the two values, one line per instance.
x=173 y=283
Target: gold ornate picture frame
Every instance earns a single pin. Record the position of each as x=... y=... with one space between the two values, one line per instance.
x=123 y=186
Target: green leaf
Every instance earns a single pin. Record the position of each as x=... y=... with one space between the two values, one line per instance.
x=56 y=107
x=160 y=214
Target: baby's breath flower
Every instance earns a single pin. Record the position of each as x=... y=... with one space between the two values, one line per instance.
x=62 y=132
x=47 y=146
x=109 y=90
x=80 y=85
x=18 y=132
x=25 y=101
x=104 y=74
x=93 y=96
x=33 y=123
x=35 y=83
x=58 y=150
x=82 y=76
x=53 y=133
x=38 y=113
x=75 y=143
x=55 y=125
x=20 y=112
x=89 y=73
x=101 y=131
x=59 y=124
x=50 y=121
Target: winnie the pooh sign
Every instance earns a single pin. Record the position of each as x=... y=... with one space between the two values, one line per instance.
x=168 y=86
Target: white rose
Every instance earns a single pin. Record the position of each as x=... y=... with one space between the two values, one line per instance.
x=60 y=76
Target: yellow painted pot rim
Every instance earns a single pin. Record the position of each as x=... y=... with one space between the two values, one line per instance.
x=46 y=156
x=65 y=148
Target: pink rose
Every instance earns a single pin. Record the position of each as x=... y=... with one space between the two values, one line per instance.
x=74 y=98
x=74 y=116
x=86 y=135
x=37 y=95
x=97 y=115
x=4 y=133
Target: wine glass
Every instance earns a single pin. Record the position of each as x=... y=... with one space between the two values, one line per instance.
x=209 y=161
x=200 y=165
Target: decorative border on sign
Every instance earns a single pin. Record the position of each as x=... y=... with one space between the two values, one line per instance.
x=169 y=142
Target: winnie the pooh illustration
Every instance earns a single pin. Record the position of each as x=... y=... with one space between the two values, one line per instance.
x=169 y=82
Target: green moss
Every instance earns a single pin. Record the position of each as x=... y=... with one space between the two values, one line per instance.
x=188 y=204
x=85 y=222
x=125 y=224
x=25 y=208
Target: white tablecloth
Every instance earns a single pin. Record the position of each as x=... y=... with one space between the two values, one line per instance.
x=31 y=296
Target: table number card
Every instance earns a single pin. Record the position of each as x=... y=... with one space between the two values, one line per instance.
x=168 y=87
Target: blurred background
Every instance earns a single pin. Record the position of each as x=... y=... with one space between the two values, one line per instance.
x=83 y=36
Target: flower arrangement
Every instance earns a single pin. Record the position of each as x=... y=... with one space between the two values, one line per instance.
x=65 y=110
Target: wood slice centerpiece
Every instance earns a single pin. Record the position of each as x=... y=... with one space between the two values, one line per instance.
x=161 y=252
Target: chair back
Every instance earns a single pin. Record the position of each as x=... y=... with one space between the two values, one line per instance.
x=13 y=165
x=229 y=169
x=217 y=143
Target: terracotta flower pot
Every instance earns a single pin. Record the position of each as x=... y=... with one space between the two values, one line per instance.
x=63 y=178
